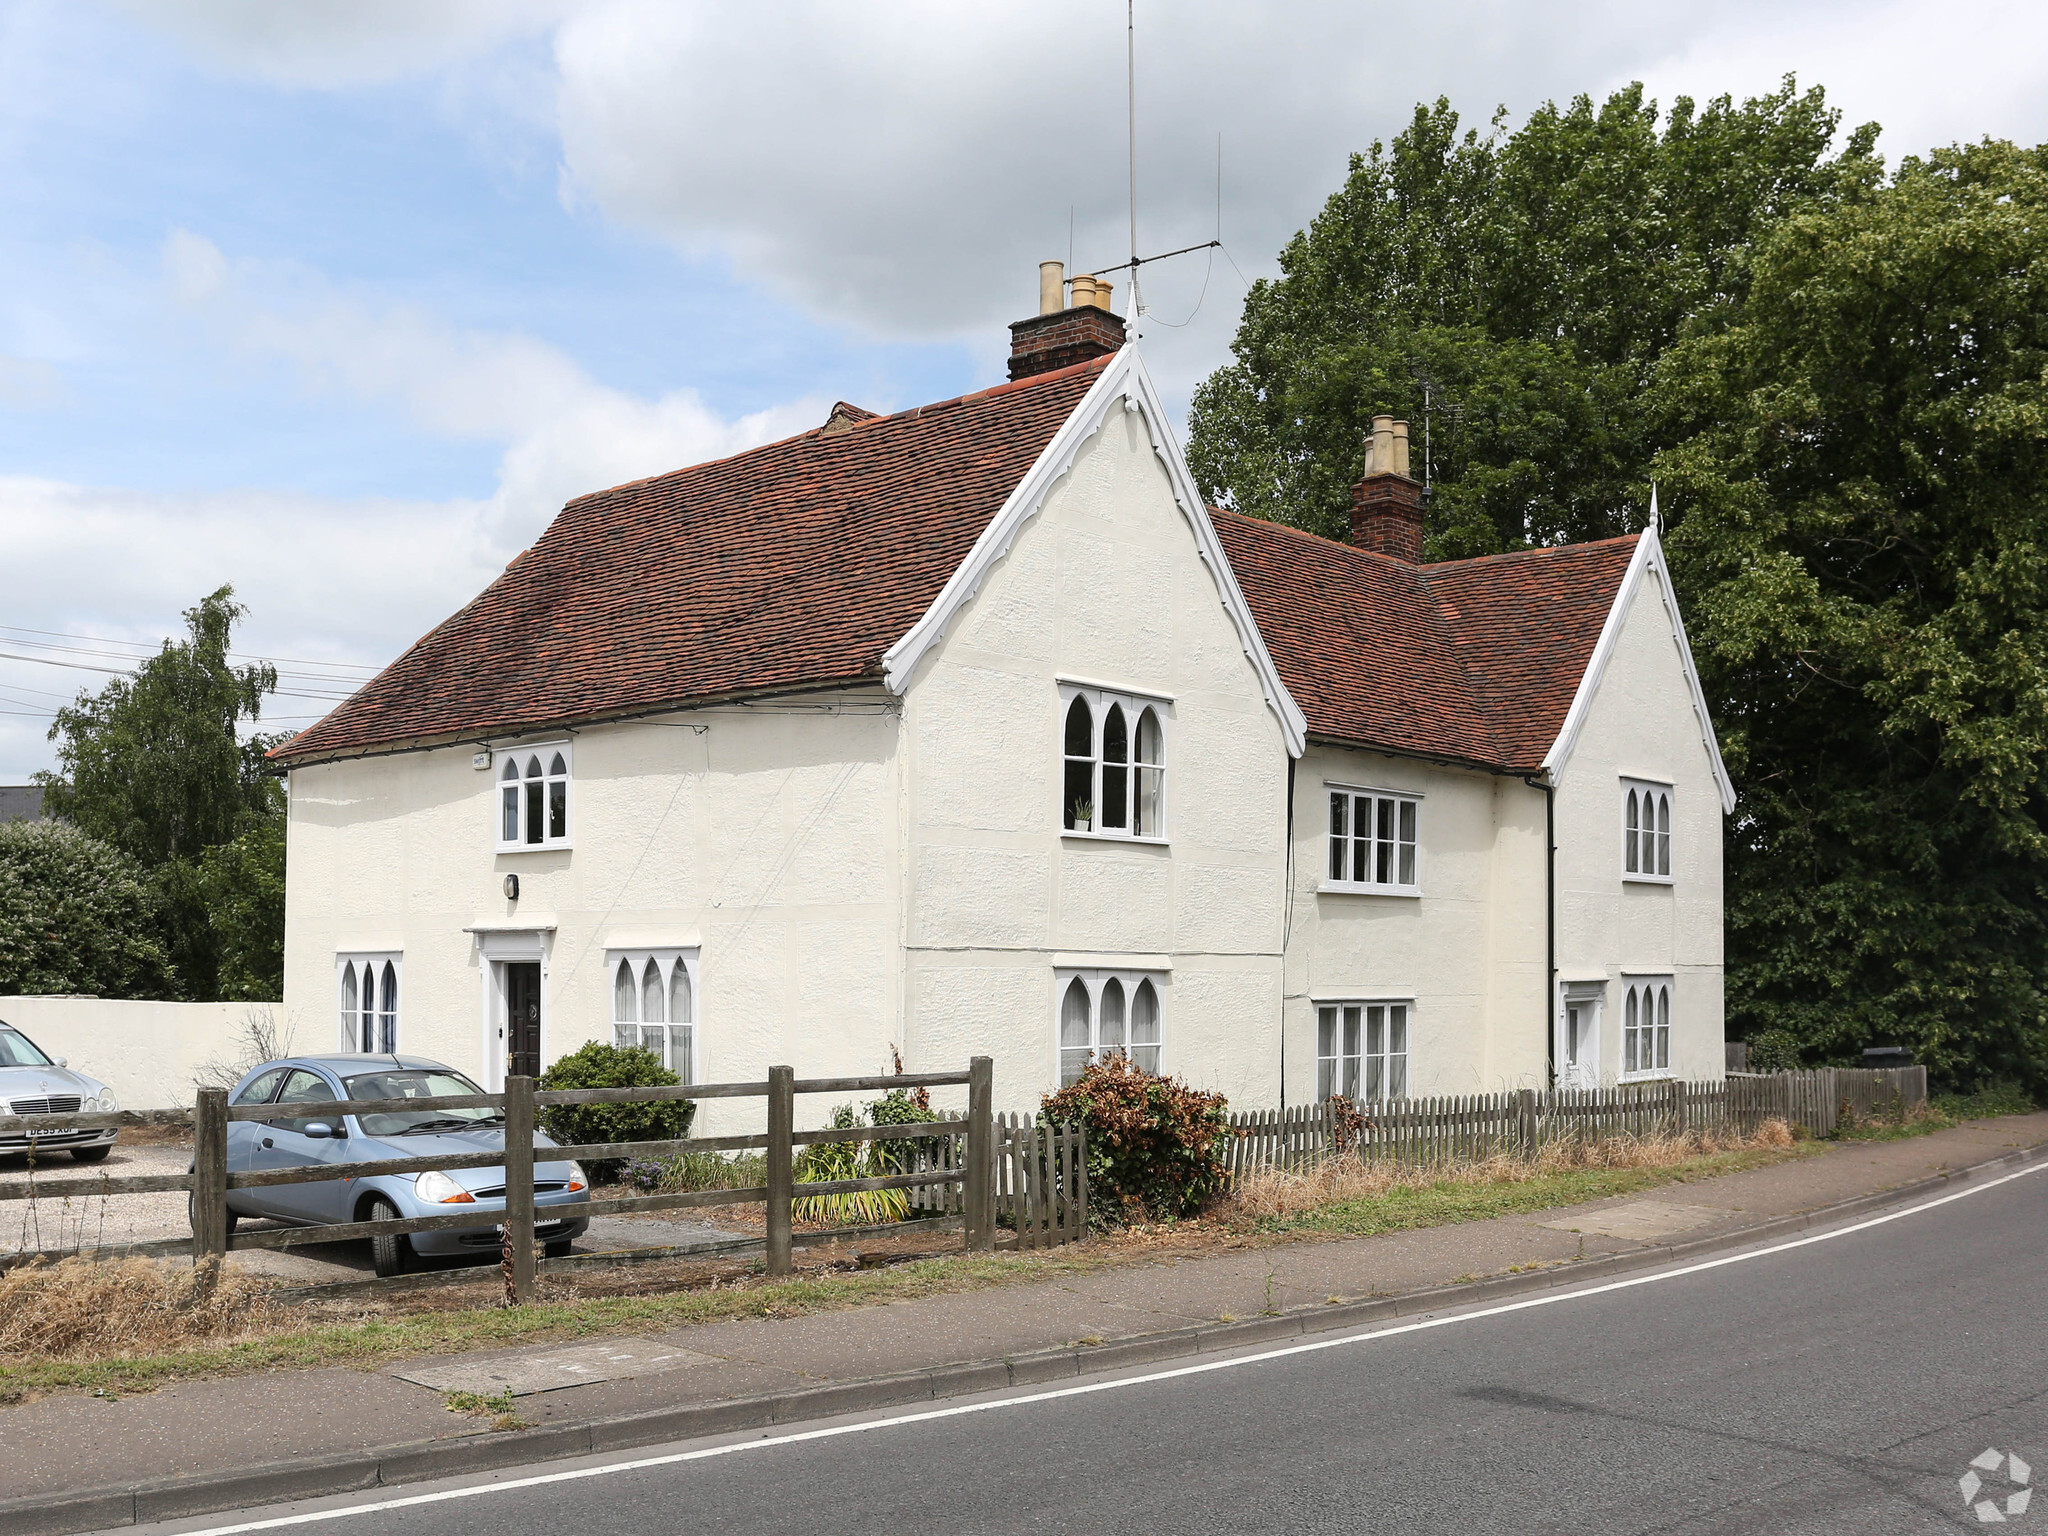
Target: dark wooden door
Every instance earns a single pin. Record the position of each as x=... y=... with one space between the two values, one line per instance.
x=522 y=1020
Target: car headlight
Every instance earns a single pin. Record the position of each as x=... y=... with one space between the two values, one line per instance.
x=436 y=1188
x=577 y=1178
x=108 y=1103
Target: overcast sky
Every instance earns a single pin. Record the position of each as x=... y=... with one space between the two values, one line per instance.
x=338 y=300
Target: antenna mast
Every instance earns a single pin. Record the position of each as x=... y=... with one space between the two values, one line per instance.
x=1131 y=98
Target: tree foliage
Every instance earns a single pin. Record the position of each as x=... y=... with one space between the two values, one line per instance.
x=1837 y=376
x=76 y=915
x=1860 y=468
x=1528 y=282
x=156 y=765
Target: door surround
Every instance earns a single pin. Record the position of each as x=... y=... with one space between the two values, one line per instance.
x=497 y=948
x=1583 y=1000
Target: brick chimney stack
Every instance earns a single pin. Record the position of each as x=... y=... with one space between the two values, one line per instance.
x=1386 y=506
x=1061 y=334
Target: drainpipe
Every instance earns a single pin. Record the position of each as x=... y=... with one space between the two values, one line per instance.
x=1549 y=926
x=1286 y=930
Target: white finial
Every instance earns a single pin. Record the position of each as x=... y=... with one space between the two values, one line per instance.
x=1656 y=521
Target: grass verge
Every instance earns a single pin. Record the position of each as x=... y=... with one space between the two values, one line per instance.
x=286 y=1339
x=1939 y=1113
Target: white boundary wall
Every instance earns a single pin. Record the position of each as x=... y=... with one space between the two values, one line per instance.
x=148 y=1053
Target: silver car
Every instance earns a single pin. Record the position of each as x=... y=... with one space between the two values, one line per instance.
x=34 y=1083
x=286 y=1140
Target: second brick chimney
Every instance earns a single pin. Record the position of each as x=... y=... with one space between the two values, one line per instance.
x=1060 y=334
x=1386 y=506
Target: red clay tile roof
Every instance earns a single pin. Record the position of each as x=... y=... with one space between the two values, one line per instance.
x=793 y=565
x=1473 y=661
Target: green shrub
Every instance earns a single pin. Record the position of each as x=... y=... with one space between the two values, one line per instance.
x=900 y=1107
x=1775 y=1050
x=1155 y=1145
x=823 y=1162
x=599 y=1065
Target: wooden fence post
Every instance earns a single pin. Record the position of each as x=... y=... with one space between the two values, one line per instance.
x=781 y=1125
x=1525 y=1130
x=522 y=1287
x=1678 y=1116
x=981 y=1190
x=210 y=1181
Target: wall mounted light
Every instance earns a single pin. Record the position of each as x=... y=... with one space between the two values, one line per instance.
x=511 y=887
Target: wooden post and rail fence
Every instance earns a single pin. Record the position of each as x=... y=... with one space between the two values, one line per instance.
x=983 y=1169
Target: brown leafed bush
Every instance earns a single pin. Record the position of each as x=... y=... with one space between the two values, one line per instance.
x=1274 y=1193
x=1155 y=1145
x=80 y=1306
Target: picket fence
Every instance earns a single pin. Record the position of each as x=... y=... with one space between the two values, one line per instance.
x=1041 y=1181
x=1472 y=1127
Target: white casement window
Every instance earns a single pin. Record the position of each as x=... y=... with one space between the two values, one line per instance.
x=1362 y=1051
x=1107 y=1013
x=1372 y=842
x=1646 y=1028
x=1113 y=782
x=533 y=797
x=654 y=1005
x=1645 y=831
x=369 y=1002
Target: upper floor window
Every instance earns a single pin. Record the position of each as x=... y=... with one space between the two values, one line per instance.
x=533 y=797
x=1645 y=831
x=1114 y=745
x=654 y=1005
x=1372 y=841
x=1107 y=1013
x=1362 y=1051
x=1646 y=1028
x=369 y=1002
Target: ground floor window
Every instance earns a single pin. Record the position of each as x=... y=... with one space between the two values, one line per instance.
x=1646 y=1027
x=654 y=1005
x=369 y=1002
x=1362 y=1051
x=1107 y=1013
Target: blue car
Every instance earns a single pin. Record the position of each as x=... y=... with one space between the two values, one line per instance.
x=286 y=1140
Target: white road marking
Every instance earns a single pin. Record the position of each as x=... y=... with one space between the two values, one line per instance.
x=958 y=1410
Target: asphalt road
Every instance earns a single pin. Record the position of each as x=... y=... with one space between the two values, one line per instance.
x=1839 y=1387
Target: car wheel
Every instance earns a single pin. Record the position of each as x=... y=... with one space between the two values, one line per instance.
x=190 y=1214
x=92 y=1154
x=560 y=1250
x=388 y=1253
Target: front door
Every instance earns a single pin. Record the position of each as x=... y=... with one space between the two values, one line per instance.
x=1578 y=1064
x=522 y=1020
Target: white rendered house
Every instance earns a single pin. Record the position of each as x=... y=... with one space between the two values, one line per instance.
x=971 y=730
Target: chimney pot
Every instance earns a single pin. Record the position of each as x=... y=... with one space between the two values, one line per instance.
x=1052 y=287
x=1386 y=506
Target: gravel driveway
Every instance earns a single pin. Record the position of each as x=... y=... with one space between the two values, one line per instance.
x=106 y=1221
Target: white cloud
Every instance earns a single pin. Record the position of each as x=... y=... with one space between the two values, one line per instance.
x=564 y=434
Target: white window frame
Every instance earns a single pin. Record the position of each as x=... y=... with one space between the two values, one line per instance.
x=679 y=1037
x=1095 y=983
x=1347 y=1029
x=1640 y=1032
x=1140 y=774
x=1651 y=843
x=387 y=968
x=520 y=761
x=1399 y=801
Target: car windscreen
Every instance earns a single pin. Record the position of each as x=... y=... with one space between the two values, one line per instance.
x=17 y=1050
x=402 y=1083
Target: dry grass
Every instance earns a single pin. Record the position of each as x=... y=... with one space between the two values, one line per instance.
x=83 y=1308
x=1275 y=1195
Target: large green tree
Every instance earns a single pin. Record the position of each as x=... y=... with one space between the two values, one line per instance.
x=1840 y=378
x=1859 y=479
x=1511 y=294
x=159 y=766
